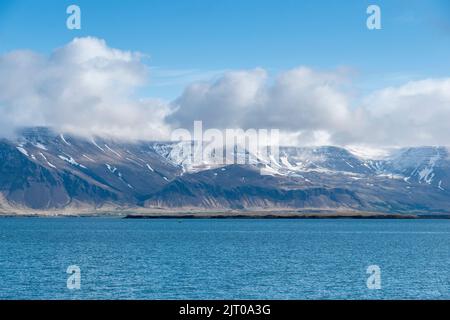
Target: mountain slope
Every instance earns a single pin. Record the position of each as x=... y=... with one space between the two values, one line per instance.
x=43 y=170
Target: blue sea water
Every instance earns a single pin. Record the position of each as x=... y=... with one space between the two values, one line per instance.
x=223 y=259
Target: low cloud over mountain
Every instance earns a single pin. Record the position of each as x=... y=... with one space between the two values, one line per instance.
x=88 y=88
x=84 y=87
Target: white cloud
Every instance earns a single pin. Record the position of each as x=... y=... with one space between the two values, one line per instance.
x=311 y=104
x=416 y=113
x=303 y=99
x=221 y=104
x=312 y=107
x=84 y=87
x=89 y=88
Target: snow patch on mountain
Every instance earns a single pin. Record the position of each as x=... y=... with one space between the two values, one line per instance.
x=23 y=151
x=40 y=146
x=95 y=144
x=111 y=168
x=369 y=153
x=113 y=151
x=48 y=163
x=64 y=139
x=71 y=160
x=87 y=157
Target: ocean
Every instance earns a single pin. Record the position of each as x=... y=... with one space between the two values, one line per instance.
x=224 y=258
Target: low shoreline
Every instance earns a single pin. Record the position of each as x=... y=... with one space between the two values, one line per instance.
x=195 y=213
x=297 y=216
x=235 y=215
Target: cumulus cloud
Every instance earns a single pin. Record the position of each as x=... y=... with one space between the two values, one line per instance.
x=89 y=88
x=312 y=107
x=84 y=88
x=416 y=113
x=301 y=101
x=224 y=103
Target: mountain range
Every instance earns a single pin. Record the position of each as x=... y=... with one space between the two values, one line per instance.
x=45 y=171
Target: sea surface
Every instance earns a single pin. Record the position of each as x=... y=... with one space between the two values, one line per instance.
x=224 y=258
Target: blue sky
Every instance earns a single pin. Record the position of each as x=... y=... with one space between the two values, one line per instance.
x=196 y=39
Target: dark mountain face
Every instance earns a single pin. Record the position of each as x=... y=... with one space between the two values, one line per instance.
x=242 y=187
x=42 y=170
x=27 y=183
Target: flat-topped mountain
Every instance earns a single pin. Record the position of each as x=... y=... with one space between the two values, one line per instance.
x=44 y=170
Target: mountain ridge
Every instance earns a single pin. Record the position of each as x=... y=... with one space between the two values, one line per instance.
x=45 y=171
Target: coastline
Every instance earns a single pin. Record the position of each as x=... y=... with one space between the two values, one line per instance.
x=289 y=216
x=226 y=214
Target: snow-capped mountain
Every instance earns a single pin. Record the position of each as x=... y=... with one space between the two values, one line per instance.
x=43 y=170
x=426 y=165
